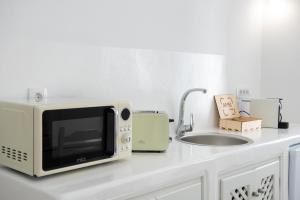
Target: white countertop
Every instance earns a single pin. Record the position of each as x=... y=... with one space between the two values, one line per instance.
x=86 y=182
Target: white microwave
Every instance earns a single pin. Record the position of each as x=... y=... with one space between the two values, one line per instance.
x=45 y=138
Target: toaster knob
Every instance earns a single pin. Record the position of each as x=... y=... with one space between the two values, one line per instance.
x=125 y=114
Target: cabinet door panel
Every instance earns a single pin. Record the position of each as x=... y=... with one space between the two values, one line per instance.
x=238 y=187
x=190 y=192
x=267 y=181
x=260 y=183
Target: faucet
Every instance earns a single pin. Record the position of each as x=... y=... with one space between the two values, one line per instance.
x=181 y=127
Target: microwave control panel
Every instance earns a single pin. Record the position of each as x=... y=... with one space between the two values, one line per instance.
x=125 y=129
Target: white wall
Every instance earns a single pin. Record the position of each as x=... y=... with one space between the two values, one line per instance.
x=281 y=59
x=64 y=45
x=192 y=25
x=245 y=41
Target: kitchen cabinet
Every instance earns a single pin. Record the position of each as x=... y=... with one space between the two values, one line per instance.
x=259 y=183
x=191 y=190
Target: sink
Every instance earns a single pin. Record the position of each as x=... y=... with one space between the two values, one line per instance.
x=215 y=139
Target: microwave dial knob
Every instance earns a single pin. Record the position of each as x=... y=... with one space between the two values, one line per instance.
x=125 y=114
x=126 y=139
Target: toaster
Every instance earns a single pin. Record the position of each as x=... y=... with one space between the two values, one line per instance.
x=150 y=131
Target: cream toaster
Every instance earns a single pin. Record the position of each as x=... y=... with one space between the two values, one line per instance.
x=150 y=131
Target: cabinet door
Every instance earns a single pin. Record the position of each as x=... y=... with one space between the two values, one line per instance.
x=238 y=187
x=261 y=183
x=267 y=181
x=191 y=191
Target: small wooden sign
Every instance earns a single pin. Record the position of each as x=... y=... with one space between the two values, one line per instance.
x=227 y=106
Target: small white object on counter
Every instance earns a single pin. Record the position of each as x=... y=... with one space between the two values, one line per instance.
x=147 y=172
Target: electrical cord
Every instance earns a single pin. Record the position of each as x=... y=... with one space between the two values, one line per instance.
x=243 y=111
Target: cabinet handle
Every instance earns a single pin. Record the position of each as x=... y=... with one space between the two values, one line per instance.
x=255 y=194
x=261 y=191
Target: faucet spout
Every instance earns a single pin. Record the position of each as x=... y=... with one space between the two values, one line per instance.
x=181 y=127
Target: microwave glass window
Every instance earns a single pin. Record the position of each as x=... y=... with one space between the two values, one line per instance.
x=77 y=135
x=74 y=136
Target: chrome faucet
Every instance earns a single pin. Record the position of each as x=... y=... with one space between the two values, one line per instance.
x=181 y=127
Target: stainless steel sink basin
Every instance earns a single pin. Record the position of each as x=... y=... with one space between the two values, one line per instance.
x=215 y=139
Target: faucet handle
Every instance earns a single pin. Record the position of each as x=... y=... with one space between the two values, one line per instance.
x=191 y=121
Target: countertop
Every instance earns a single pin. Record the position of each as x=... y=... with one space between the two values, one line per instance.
x=100 y=180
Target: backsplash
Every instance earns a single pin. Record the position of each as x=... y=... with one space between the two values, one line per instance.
x=67 y=52
x=151 y=79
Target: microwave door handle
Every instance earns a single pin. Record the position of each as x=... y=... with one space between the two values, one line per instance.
x=116 y=114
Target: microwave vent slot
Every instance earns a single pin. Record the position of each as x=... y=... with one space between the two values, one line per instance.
x=14 y=154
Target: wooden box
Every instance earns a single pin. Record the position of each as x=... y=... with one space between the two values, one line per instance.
x=230 y=118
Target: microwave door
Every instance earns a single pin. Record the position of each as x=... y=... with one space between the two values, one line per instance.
x=74 y=136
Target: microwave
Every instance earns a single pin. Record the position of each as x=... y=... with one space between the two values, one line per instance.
x=45 y=138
